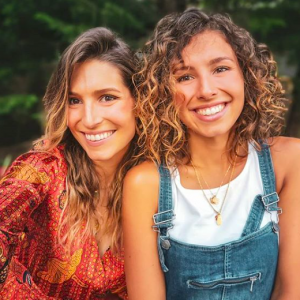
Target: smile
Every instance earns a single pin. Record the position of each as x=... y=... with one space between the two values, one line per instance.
x=99 y=137
x=210 y=110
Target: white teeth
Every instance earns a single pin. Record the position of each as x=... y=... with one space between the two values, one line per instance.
x=211 y=110
x=99 y=137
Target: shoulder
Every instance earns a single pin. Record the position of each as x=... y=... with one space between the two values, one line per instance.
x=286 y=158
x=145 y=174
x=42 y=159
x=141 y=188
x=285 y=150
x=37 y=162
x=285 y=146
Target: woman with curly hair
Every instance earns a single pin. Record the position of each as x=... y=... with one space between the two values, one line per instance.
x=214 y=107
x=60 y=204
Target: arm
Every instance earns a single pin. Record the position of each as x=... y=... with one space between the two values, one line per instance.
x=145 y=279
x=22 y=189
x=286 y=155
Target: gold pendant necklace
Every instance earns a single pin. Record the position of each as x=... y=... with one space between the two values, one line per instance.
x=218 y=217
x=214 y=199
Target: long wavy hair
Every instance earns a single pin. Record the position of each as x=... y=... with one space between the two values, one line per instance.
x=165 y=136
x=80 y=216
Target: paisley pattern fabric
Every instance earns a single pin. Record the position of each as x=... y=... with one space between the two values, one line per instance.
x=32 y=265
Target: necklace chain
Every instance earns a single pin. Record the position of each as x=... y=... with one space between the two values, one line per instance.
x=214 y=199
x=218 y=212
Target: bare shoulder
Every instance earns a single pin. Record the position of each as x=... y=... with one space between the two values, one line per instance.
x=284 y=146
x=286 y=151
x=144 y=174
x=141 y=187
x=286 y=158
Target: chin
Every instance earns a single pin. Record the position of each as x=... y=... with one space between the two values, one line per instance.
x=100 y=157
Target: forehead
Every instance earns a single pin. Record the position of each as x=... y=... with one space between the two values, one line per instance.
x=94 y=71
x=206 y=46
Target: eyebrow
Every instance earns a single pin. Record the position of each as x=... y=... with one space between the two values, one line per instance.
x=102 y=91
x=183 y=67
x=219 y=59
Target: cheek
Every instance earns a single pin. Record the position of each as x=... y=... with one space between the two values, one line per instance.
x=129 y=126
x=73 y=116
x=124 y=115
x=179 y=99
x=180 y=102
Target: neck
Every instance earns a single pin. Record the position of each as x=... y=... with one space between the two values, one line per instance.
x=107 y=169
x=208 y=152
x=106 y=172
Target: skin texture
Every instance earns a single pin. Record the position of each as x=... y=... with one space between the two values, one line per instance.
x=100 y=102
x=206 y=81
x=203 y=79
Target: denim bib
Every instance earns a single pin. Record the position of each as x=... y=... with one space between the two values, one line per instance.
x=240 y=270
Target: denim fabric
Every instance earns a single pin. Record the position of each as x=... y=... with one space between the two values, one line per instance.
x=240 y=270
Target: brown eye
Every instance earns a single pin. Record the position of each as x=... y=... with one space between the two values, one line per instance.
x=107 y=98
x=184 y=78
x=73 y=101
x=221 y=69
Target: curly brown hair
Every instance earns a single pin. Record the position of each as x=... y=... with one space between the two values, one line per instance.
x=81 y=208
x=165 y=136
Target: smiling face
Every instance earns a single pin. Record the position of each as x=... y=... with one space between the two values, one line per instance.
x=100 y=111
x=209 y=86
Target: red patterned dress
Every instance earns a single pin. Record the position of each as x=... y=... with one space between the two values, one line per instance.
x=32 y=266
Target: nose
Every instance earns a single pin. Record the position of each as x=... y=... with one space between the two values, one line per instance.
x=206 y=88
x=92 y=116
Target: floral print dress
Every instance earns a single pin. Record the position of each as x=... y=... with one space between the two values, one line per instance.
x=32 y=265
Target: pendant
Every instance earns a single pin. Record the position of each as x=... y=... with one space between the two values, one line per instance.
x=214 y=200
x=219 y=219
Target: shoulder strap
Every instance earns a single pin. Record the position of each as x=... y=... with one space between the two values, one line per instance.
x=268 y=201
x=165 y=215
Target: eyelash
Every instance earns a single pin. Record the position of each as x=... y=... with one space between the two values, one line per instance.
x=184 y=78
x=71 y=101
x=217 y=70
x=188 y=77
x=104 y=98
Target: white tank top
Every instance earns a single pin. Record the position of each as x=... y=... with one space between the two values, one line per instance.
x=195 y=221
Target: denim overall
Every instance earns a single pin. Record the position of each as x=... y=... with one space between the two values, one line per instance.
x=240 y=270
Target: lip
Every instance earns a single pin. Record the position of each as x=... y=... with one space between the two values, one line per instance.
x=97 y=132
x=210 y=105
x=214 y=117
x=97 y=143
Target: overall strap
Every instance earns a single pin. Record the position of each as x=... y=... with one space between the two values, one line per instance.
x=267 y=201
x=165 y=215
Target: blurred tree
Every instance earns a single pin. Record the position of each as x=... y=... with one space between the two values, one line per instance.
x=34 y=33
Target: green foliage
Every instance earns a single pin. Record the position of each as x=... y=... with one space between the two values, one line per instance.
x=18 y=105
x=20 y=118
x=121 y=20
x=34 y=33
x=67 y=31
x=265 y=24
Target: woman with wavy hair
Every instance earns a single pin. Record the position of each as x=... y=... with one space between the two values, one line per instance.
x=201 y=221
x=60 y=204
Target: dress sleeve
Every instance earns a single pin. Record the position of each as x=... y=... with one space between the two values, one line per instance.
x=24 y=186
